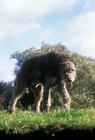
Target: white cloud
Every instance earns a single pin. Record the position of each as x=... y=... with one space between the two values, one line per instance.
x=89 y=4
x=12 y=29
x=81 y=33
x=47 y=34
x=32 y=9
x=18 y=16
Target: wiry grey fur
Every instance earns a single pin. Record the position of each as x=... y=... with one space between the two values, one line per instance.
x=41 y=73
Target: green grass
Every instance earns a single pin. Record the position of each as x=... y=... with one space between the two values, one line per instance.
x=56 y=120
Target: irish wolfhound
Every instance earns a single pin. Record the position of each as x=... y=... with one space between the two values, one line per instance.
x=41 y=73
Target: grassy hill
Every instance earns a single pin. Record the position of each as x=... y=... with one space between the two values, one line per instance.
x=27 y=123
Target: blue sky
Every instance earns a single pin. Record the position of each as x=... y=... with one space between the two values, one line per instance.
x=26 y=23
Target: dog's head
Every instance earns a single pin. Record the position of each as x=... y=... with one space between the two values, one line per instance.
x=68 y=72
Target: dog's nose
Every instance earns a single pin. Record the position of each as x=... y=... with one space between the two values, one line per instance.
x=69 y=80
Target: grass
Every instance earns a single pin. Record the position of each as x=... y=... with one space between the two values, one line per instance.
x=29 y=121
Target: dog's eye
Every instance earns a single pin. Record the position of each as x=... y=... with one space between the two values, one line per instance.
x=72 y=69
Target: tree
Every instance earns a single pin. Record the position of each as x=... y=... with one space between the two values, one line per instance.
x=83 y=92
x=6 y=90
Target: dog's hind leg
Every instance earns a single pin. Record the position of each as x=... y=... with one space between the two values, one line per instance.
x=19 y=89
x=38 y=94
x=13 y=101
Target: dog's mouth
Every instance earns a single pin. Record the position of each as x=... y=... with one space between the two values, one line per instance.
x=69 y=85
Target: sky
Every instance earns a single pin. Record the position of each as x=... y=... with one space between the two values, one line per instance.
x=27 y=23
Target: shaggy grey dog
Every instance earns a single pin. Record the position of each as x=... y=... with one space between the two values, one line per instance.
x=41 y=73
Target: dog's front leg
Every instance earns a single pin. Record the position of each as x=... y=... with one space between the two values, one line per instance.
x=64 y=94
